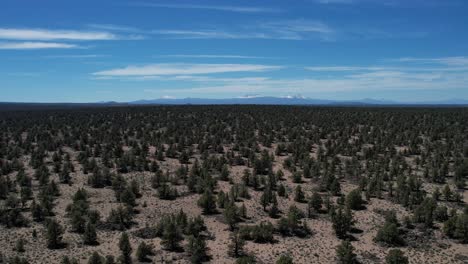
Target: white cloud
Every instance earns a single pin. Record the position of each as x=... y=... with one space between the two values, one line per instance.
x=75 y=56
x=298 y=25
x=450 y=61
x=436 y=68
x=382 y=81
x=35 y=45
x=214 y=56
x=285 y=29
x=239 y=9
x=250 y=96
x=50 y=35
x=209 y=34
x=393 y=3
x=335 y=1
x=183 y=69
x=342 y=68
x=112 y=27
x=200 y=79
x=294 y=29
x=168 y=97
x=132 y=32
x=349 y=81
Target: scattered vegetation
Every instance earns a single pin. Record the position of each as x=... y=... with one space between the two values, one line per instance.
x=260 y=175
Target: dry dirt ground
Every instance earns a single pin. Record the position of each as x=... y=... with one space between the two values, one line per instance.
x=318 y=248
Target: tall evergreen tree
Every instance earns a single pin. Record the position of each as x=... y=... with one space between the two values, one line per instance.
x=125 y=249
x=207 y=202
x=54 y=234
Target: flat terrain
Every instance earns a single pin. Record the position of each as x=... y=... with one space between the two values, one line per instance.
x=151 y=162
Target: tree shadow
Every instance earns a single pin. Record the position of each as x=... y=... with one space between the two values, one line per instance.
x=355 y=230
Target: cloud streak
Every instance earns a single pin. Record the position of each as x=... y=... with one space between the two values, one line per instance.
x=335 y=1
x=211 y=56
x=75 y=56
x=376 y=81
x=51 y=35
x=35 y=45
x=342 y=68
x=182 y=69
x=343 y=79
x=208 y=34
x=237 y=9
x=393 y=3
x=298 y=29
x=450 y=61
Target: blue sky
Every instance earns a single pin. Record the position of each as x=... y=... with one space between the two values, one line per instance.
x=122 y=50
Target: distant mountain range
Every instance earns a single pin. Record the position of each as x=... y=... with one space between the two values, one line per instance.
x=290 y=100
x=247 y=100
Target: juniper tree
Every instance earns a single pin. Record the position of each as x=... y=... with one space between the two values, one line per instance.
x=396 y=256
x=316 y=201
x=264 y=200
x=125 y=249
x=197 y=249
x=461 y=231
x=120 y=218
x=282 y=190
x=342 y=221
x=143 y=252
x=285 y=259
x=67 y=260
x=90 y=235
x=236 y=246
x=96 y=259
x=447 y=192
x=207 y=202
x=274 y=210
x=19 y=246
x=128 y=197
x=224 y=175
x=231 y=215
x=299 y=194
x=389 y=234
x=345 y=253
x=171 y=236
x=54 y=234
x=354 y=200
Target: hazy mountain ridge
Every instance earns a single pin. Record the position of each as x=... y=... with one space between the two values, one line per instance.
x=269 y=100
x=256 y=100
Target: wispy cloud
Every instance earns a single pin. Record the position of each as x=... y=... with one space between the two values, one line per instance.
x=208 y=34
x=211 y=56
x=455 y=64
x=112 y=27
x=238 y=9
x=367 y=82
x=450 y=61
x=342 y=68
x=344 y=79
x=183 y=69
x=131 y=33
x=50 y=35
x=75 y=56
x=298 y=29
x=394 y=3
x=35 y=45
x=335 y=1
x=31 y=39
x=285 y=29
